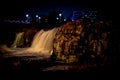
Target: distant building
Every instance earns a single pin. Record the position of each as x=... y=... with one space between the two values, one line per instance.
x=77 y=15
x=80 y=14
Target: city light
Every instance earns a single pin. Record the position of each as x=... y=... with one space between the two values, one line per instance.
x=86 y=15
x=39 y=17
x=64 y=19
x=27 y=15
x=60 y=14
x=57 y=18
x=36 y=16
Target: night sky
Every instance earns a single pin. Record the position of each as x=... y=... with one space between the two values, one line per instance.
x=19 y=7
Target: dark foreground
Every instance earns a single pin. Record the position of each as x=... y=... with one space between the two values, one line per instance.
x=19 y=68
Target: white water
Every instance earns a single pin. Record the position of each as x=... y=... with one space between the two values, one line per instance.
x=42 y=45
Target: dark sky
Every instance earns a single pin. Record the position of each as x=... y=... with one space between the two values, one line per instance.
x=18 y=7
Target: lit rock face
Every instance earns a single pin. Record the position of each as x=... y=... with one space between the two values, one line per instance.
x=78 y=42
x=29 y=34
x=67 y=45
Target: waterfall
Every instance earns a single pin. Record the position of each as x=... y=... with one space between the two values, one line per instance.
x=19 y=40
x=36 y=38
x=42 y=44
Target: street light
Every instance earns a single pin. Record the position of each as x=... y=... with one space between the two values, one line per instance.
x=39 y=17
x=57 y=18
x=27 y=15
x=36 y=16
x=60 y=14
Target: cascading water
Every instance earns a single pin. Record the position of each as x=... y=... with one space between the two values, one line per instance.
x=42 y=45
x=43 y=42
x=19 y=40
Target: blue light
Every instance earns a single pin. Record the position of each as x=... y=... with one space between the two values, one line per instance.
x=73 y=20
x=60 y=14
x=64 y=19
x=27 y=15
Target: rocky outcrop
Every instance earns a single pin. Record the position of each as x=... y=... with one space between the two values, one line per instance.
x=78 y=42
